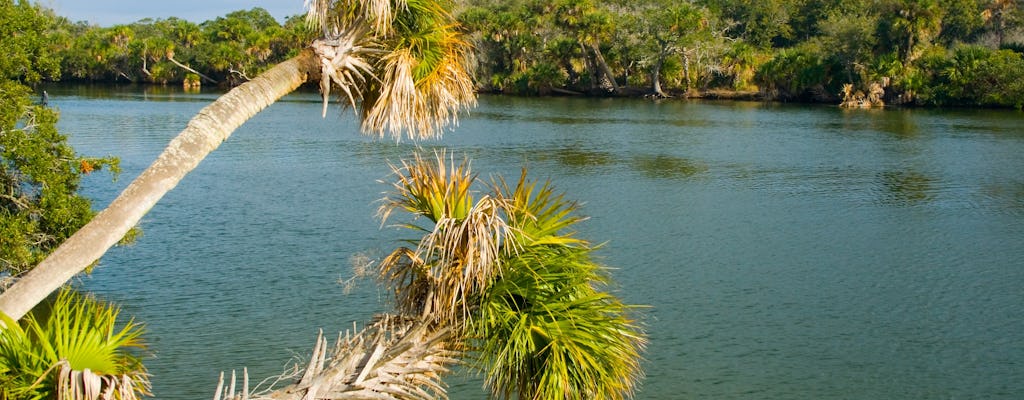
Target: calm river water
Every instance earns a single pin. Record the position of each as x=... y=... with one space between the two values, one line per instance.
x=787 y=252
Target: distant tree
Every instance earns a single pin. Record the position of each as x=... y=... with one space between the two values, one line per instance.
x=762 y=23
x=509 y=41
x=668 y=29
x=907 y=26
x=849 y=37
x=976 y=75
x=588 y=25
x=1001 y=16
x=962 y=21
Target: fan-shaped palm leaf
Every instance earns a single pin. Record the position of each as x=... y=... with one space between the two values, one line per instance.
x=75 y=353
x=540 y=215
x=545 y=332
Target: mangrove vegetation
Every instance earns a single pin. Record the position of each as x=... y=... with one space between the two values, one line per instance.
x=861 y=52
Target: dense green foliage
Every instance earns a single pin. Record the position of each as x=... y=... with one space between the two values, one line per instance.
x=39 y=171
x=785 y=49
x=229 y=49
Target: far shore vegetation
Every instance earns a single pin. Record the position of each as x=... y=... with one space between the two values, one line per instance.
x=858 y=53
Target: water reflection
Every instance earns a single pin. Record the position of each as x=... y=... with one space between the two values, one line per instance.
x=666 y=166
x=575 y=157
x=900 y=123
x=1009 y=195
x=907 y=187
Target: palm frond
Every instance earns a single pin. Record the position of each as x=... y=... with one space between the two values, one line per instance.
x=414 y=54
x=435 y=189
x=331 y=15
x=510 y=277
x=540 y=215
x=458 y=257
x=546 y=333
x=76 y=353
x=393 y=358
x=424 y=79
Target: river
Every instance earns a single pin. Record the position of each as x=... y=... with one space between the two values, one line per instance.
x=785 y=251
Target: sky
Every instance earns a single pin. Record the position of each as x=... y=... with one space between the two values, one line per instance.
x=112 y=12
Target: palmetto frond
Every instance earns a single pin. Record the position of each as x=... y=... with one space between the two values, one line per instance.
x=545 y=332
x=424 y=82
x=76 y=353
x=435 y=189
x=540 y=215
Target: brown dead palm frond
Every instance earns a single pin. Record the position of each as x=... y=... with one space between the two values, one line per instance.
x=424 y=84
x=393 y=358
x=458 y=256
x=409 y=278
x=344 y=61
x=326 y=14
x=463 y=260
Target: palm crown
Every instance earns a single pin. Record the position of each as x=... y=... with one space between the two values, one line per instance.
x=404 y=64
x=505 y=270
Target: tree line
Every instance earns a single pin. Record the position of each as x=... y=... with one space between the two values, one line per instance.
x=923 y=52
x=915 y=52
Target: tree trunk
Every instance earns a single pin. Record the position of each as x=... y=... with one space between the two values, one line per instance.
x=687 y=83
x=656 y=76
x=189 y=69
x=608 y=78
x=203 y=134
x=910 y=50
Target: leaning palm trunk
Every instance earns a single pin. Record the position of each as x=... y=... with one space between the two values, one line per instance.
x=204 y=133
x=394 y=358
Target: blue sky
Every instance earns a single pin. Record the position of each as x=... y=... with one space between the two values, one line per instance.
x=111 y=12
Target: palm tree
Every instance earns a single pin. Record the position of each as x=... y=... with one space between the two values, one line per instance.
x=521 y=293
x=400 y=63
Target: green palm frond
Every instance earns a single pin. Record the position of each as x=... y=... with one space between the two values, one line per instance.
x=541 y=215
x=75 y=353
x=545 y=332
x=436 y=189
